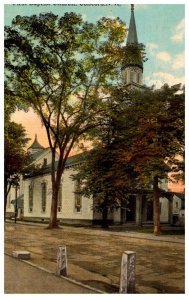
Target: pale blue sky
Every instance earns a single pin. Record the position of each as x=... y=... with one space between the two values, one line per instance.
x=160 y=28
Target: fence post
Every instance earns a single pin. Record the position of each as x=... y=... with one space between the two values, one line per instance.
x=127 y=279
x=62 y=261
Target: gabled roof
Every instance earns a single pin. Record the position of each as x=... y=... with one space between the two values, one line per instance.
x=70 y=162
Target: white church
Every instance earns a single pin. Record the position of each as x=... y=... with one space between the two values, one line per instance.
x=35 y=192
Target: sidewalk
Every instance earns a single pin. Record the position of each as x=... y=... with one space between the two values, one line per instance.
x=23 y=278
x=103 y=232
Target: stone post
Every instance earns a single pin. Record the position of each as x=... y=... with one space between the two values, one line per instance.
x=127 y=279
x=62 y=261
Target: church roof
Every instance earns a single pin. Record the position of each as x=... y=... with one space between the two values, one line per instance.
x=36 y=145
x=132 y=35
x=70 y=162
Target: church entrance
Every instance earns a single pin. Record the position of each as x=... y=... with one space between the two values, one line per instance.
x=147 y=209
x=131 y=209
x=149 y=216
x=128 y=210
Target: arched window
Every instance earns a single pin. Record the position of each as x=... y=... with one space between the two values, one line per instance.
x=30 y=197
x=9 y=201
x=78 y=197
x=43 y=196
x=138 y=77
x=132 y=74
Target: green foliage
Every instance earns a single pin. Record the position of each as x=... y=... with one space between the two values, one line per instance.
x=143 y=139
x=103 y=179
x=154 y=132
x=15 y=158
x=63 y=68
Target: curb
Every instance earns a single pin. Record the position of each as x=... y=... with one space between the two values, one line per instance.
x=156 y=239
x=63 y=277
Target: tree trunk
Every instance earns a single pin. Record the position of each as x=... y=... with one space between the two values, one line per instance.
x=105 y=218
x=55 y=178
x=105 y=213
x=157 y=227
x=54 y=205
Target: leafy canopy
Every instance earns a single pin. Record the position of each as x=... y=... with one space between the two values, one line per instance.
x=153 y=134
x=62 y=67
x=143 y=138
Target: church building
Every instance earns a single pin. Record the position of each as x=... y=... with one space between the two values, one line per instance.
x=35 y=191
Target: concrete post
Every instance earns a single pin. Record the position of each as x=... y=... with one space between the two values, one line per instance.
x=62 y=261
x=127 y=279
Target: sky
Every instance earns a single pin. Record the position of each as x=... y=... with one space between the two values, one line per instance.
x=160 y=27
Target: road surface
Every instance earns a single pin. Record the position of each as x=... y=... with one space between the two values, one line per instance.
x=21 y=278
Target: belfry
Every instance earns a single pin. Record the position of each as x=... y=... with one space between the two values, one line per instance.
x=132 y=71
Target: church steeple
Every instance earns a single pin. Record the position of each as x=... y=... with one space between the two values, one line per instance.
x=132 y=71
x=132 y=36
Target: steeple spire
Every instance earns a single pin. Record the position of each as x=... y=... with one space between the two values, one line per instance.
x=132 y=36
x=132 y=71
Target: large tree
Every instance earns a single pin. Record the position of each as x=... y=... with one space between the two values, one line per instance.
x=100 y=175
x=63 y=68
x=102 y=178
x=154 y=137
x=142 y=141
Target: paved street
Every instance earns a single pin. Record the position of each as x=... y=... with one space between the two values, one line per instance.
x=21 y=278
x=94 y=255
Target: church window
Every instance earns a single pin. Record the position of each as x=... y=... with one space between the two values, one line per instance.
x=43 y=196
x=125 y=79
x=124 y=76
x=132 y=76
x=60 y=199
x=78 y=197
x=30 y=198
x=138 y=77
x=9 y=201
